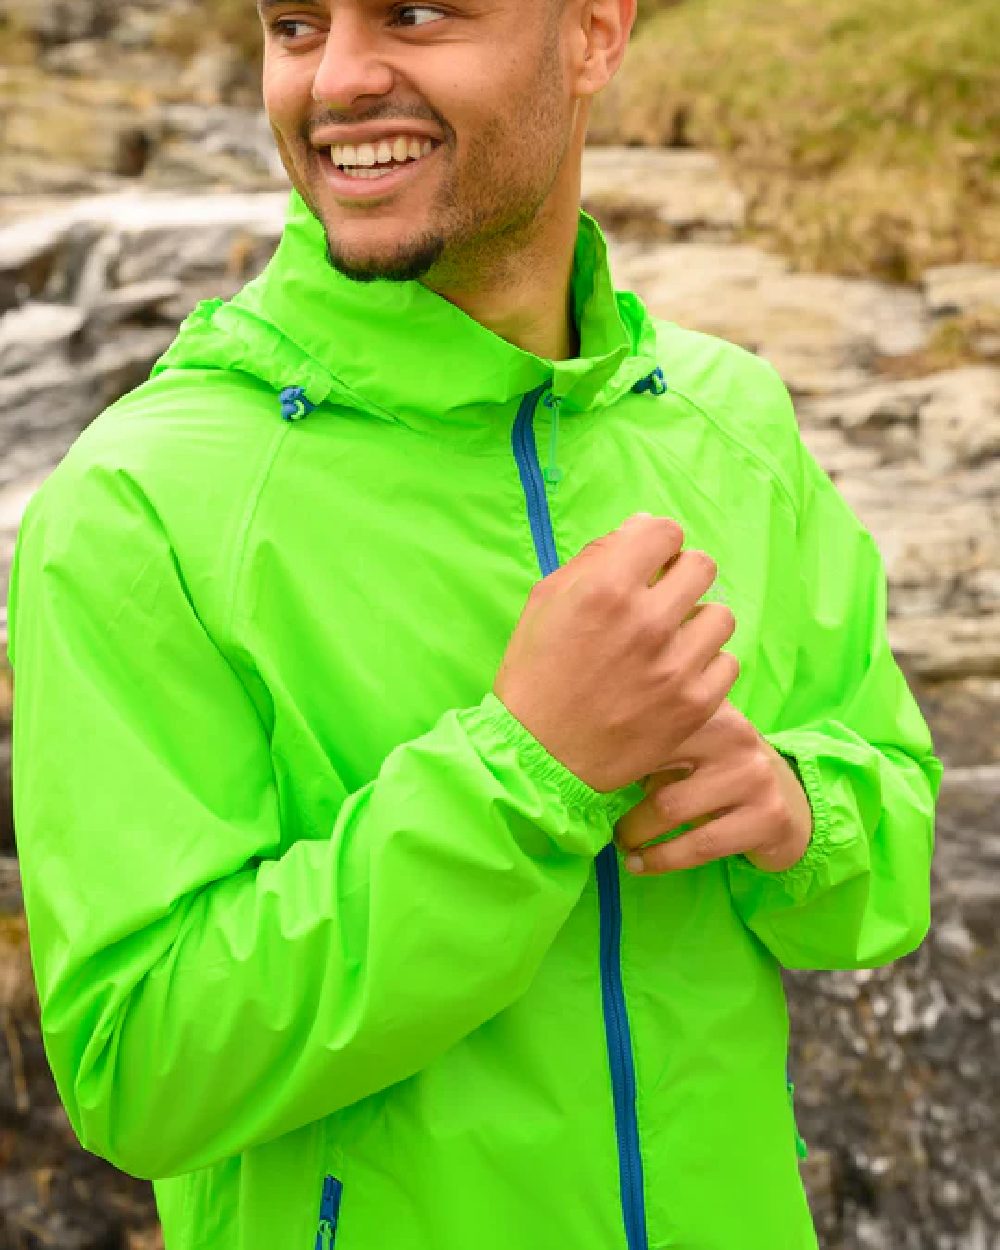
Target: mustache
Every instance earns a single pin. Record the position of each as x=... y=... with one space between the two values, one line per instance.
x=384 y=111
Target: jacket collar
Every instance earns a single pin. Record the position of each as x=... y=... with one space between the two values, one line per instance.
x=381 y=345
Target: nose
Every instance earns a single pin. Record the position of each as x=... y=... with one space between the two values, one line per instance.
x=350 y=67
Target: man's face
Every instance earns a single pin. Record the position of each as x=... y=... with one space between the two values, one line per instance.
x=480 y=82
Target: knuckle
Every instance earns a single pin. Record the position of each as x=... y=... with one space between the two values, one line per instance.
x=696 y=700
x=705 y=844
x=758 y=777
x=608 y=594
x=664 y=801
x=774 y=813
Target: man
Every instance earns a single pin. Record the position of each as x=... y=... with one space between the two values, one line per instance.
x=323 y=794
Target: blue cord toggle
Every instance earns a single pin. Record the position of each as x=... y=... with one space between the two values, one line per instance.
x=294 y=403
x=654 y=382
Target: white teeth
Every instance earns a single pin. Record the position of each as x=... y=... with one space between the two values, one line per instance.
x=356 y=172
x=365 y=156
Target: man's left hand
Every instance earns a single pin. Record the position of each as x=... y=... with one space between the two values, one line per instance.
x=741 y=795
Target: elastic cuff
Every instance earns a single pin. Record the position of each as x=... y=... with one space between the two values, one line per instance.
x=820 y=845
x=543 y=766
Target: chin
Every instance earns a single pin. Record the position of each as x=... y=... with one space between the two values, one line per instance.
x=405 y=260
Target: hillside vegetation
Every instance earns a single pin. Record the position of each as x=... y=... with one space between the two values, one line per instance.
x=865 y=133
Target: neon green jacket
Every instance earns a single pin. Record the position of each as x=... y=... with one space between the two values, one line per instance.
x=327 y=944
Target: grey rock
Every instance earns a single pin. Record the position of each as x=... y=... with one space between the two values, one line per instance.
x=30 y=334
x=948 y=647
x=960 y=421
x=962 y=290
x=685 y=193
x=141 y=297
x=824 y=334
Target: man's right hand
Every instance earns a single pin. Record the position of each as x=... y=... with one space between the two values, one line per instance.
x=612 y=665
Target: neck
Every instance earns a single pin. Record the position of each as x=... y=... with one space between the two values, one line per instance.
x=523 y=290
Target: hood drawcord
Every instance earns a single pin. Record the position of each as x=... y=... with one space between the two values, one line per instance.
x=654 y=382
x=294 y=403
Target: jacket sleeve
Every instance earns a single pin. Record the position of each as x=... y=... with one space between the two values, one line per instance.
x=860 y=896
x=208 y=980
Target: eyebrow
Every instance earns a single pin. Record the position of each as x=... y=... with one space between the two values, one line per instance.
x=265 y=6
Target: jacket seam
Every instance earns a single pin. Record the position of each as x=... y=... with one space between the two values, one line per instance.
x=772 y=470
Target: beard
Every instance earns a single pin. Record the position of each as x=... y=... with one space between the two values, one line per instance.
x=409 y=262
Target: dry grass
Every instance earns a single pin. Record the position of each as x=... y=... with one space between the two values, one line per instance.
x=864 y=133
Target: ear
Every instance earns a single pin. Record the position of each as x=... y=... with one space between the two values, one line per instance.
x=601 y=30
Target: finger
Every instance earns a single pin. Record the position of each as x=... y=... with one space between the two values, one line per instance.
x=726 y=732
x=677 y=592
x=664 y=777
x=717 y=680
x=732 y=833
x=702 y=636
x=643 y=545
x=705 y=793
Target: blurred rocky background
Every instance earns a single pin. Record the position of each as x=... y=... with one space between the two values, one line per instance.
x=815 y=181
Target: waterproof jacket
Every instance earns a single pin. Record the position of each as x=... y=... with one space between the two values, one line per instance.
x=327 y=944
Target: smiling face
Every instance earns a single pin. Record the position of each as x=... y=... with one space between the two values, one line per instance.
x=428 y=139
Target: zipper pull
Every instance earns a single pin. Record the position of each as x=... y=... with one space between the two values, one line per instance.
x=801 y=1149
x=329 y=1211
x=552 y=473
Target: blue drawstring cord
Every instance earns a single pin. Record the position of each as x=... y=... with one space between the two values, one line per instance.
x=294 y=403
x=654 y=382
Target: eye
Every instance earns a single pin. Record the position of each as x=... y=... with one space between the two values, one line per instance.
x=290 y=28
x=419 y=13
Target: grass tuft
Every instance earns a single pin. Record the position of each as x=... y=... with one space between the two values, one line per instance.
x=865 y=135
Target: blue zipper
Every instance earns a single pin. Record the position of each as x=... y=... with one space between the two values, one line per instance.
x=329 y=1213
x=608 y=892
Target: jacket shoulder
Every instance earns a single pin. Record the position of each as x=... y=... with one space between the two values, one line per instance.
x=739 y=393
x=174 y=467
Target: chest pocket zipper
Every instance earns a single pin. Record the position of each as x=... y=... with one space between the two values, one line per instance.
x=329 y=1212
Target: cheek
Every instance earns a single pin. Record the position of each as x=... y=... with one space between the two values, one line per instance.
x=287 y=94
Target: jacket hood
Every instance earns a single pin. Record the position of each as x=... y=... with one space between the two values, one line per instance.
x=400 y=351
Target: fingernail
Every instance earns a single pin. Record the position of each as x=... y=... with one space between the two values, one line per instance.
x=633 y=517
x=635 y=863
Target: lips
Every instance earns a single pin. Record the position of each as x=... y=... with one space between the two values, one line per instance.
x=372 y=182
